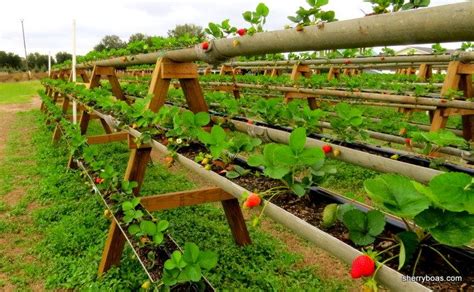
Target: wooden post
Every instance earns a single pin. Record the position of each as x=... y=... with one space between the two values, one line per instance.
x=298 y=71
x=459 y=76
x=425 y=72
x=333 y=73
x=113 y=248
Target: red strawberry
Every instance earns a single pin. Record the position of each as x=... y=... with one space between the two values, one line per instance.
x=205 y=46
x=253 y=200
x=99 y=180
x=362 y=266
x=242 y=32
x=327 y=148
x=408 y=141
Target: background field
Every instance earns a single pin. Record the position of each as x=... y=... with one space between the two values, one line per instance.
x=18 y=92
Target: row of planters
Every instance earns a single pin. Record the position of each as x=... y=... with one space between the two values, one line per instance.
x=349 y=127
x=168 y=266
x=289 y=171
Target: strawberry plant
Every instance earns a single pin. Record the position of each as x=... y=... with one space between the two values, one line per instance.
x=433 y=141
x=363 y=227
x=298 y=167
x=217 y=140
x=149 y=229
x=187 y=266
x=187 y=125
x=385 y=6
x=220 y=30
x=236 y=172
x=349 y=123
x=313 y=14
x=442 y=209
x=130 y=212
x=256 y=18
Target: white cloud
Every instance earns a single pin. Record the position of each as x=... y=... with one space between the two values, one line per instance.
x=48 y=23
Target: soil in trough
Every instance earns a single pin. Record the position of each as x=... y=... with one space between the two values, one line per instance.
x=310 y=208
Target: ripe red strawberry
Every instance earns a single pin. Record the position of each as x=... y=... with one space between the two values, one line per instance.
x=327 y=148
x=99 y=180
x=242 y=32
x=253 y=200
x=205 y=46
x=408 y=141
x=362 y=266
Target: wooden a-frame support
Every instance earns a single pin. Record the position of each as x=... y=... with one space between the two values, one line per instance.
x=97 y=73
x=459 y=76
x=298 y=71
x=187 y=74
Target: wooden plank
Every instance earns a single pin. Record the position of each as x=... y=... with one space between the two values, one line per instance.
x=457 y=112
x=84 y=122
x=136 y=166
x=194 y=96
x=439 y=120
x=158 y=88
x=186 y=198
x=106 y=126
x=113 y=248
x=451 y=81
x=107 y=138
x=466 y=69
x=236 y=222
x=116 y=89
x=333 y=73
x=179 y=70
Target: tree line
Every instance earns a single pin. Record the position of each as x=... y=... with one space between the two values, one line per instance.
x=11 y=62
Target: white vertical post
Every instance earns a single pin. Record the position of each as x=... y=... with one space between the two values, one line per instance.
x=74 y=104
x=49 y=64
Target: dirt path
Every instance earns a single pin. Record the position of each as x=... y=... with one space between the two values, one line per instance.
x=16 y=238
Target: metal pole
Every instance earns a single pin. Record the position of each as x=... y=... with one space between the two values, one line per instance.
x=74 y=103
x=24 y=46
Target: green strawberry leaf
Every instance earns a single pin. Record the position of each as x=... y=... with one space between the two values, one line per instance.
x=397 y=195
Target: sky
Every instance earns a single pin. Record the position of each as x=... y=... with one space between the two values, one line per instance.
x=48 y=23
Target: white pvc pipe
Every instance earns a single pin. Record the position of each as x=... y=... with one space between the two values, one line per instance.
x=74 y=78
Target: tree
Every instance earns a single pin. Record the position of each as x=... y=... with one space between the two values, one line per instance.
x=110 y=42
x=37 y=62
x=137 y=37
x=191 y=30
x=61 y=57
x=10 y=61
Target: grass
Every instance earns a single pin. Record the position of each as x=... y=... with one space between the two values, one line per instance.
x=18 y=92
x=73 y=231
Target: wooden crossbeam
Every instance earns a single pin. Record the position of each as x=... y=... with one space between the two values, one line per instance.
x=300 y=70
x=466 y=69
x=107 y=138
x=186 y=198
x=179 y=71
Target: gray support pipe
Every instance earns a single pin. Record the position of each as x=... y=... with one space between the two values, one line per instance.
x=415 y=59
x=447 y=23
x=361 y=95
